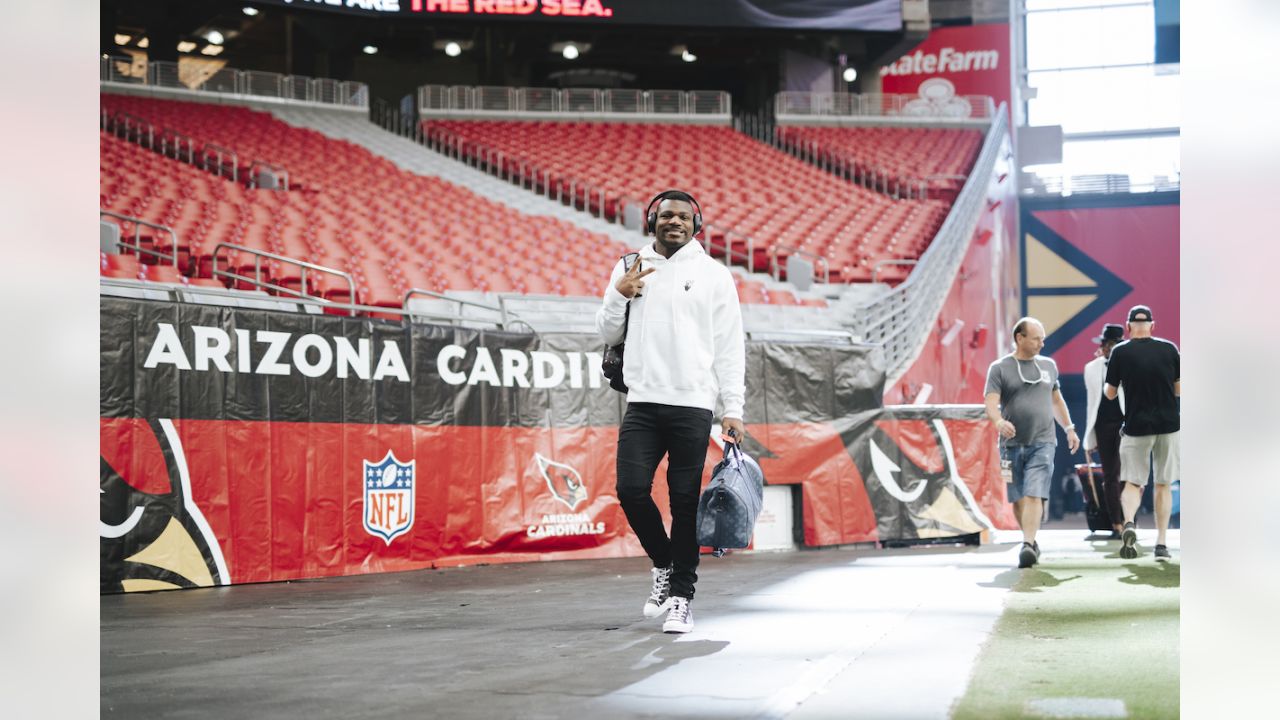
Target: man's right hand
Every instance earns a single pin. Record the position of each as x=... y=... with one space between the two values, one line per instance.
x=1006 y=428
x=631 y=283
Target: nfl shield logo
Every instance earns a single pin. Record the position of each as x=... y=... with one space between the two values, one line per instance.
x=388 y=497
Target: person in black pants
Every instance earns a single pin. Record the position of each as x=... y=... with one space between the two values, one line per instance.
x=677 y=311
x=1102 y=431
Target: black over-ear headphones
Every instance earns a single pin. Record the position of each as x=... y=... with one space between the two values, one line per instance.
x=651 y=215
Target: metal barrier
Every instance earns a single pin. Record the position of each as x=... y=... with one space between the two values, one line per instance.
x=136 y=245
x=258 y=282
x=281 y=174
x=227 y=80
x=901 y=319
x=222 y=154
x=748 y=256
x=123 y=69
x=775 y=268
x=505 y=315
x=833 y=104
x=461 y=98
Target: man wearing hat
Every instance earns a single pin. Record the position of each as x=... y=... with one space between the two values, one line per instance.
x=1102 y=428
x=1149 y=370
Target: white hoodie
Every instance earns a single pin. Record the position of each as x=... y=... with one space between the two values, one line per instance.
x=685 y=343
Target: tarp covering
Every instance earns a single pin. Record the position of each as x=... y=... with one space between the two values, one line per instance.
x=247 y=446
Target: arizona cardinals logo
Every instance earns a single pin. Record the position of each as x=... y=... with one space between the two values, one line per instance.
x=152 y=534
x=565 y=482
x=885 y=468
x=909 y=469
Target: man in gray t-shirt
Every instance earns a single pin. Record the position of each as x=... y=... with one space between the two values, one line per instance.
x=1023 y=398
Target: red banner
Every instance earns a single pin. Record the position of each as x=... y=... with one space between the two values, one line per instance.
x=953 y=62
x=232 y=454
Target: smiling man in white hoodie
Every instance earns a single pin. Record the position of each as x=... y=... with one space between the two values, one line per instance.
x=685 y=349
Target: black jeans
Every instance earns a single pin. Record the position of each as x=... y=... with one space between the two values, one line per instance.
x=1109 y=452
x=648 y=432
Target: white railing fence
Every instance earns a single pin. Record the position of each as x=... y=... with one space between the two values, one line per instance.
x=833 y=104
x=442 y=99
x=901 y=319
x=227 y=80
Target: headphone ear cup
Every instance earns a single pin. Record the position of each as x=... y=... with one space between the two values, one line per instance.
x=651 y=223
x=697 y=223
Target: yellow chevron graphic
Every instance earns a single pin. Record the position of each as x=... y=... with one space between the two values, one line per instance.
x=1046 y=269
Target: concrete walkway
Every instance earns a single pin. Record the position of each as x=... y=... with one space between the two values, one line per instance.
x=834 y=633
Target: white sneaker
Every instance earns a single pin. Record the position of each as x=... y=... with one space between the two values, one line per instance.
x=660 y=596
x=679 y=618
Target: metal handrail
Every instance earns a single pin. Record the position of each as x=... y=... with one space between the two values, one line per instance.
x=501 y=99
x=748 y=257
x=239 y=295
x=169 y=133
x=325 y=91
x=775 y=268
x=257 y=281
x=875 y=269
x=279 y=170
x=139 y=124
x=216 y=150
x=980 y=108
x=505 y=314
x=137 y=236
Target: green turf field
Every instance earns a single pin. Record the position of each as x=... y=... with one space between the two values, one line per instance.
x=1082 y=624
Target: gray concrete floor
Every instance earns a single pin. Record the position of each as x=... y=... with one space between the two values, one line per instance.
x=808 y=634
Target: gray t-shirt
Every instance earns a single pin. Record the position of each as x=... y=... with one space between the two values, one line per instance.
x=1028 y=405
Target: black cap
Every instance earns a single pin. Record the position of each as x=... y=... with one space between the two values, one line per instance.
x=1140 y=313
x=1110 y=333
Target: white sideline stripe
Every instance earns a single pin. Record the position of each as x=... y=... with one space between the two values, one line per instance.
x=786 y=700
x=1077 y=707
x=210 y=539
x=955 y=478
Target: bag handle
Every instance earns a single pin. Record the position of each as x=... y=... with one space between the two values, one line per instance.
x=731 y=445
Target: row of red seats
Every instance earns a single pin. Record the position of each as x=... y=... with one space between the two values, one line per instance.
x=747 y=189
x=907 y=155
x=390 y=229
x=128 y=266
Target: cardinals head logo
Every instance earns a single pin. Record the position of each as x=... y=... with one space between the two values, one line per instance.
x=152 y=535
x=909 y=470
x=565 y=482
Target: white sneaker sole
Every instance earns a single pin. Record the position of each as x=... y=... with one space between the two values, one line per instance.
x=652 y=611
x=676 y=627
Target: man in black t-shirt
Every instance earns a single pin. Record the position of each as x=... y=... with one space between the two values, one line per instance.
x=1149 y=370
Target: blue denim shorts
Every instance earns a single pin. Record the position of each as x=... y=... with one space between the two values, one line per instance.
x=1032 y=467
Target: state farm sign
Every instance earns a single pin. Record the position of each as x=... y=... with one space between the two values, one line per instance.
x=954 y=61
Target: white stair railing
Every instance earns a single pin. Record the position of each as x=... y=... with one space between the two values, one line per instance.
x=901 y=319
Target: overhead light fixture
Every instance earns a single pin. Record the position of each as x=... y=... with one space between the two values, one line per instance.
x=211 y=50
x=144 y=43
x=214 y=37
x=688 y=56
x=186 y=46
x=122 y=39
x=570 y=51
x=251 y=11
x=370 y=49
x=452 y=49
x=849 y=74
